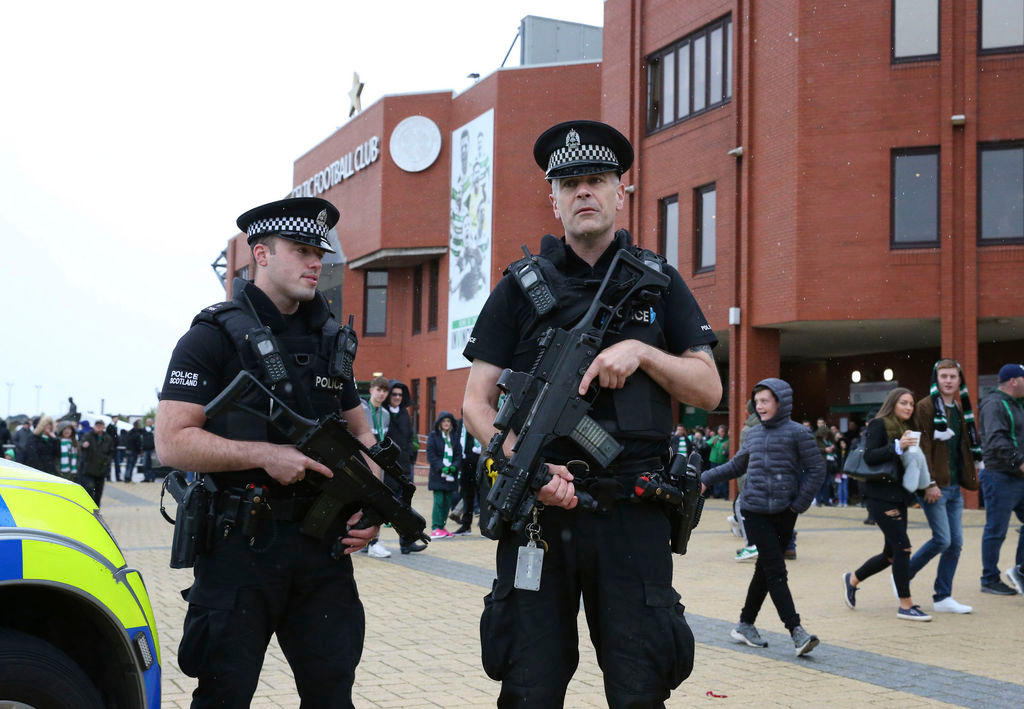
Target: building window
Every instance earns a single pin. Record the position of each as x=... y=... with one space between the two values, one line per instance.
x=1001 y=193
x=417 y=300
x=668 y=229
x=375 y=303
x=243 y=272
x=915 y=198
x=915 y=30
x=432 y=295
x=1002 y=25
x=431 y=402
x=705 y=213
x=691 y=76
x=414 y=394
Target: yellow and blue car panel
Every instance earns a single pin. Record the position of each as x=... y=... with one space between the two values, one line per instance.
x=51 y=534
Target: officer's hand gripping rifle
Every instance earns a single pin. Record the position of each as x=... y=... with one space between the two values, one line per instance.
x=330 y=442
x=547 y=401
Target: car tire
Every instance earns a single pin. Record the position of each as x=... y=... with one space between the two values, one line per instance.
x=35 y=673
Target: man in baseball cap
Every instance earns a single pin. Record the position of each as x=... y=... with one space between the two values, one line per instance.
x=1002 y=480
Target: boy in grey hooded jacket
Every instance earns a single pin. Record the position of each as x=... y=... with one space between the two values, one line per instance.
x=784 y=469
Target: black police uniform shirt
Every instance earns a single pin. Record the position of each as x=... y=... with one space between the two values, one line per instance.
x=205 y=360
x=494 y=341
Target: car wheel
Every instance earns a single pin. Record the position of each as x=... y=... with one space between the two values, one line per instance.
x=36 y=674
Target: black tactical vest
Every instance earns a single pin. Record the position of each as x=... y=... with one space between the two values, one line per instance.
x=641 y=409
x=310 y=389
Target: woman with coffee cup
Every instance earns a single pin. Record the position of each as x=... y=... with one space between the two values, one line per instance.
x=888 y=435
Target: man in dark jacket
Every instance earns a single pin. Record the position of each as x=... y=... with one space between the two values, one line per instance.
x=773 y=455
x=1002 y=480
x=97 y=450
x=22 y=438
x=400 y=431
x=132 y=442
x=148 y=445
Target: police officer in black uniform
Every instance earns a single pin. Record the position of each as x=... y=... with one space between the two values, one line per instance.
x=269 y=578
x=619 y=560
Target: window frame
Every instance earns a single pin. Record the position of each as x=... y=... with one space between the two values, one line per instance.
x=894 y=153
x=414 y=392
x=655 y=75
x=915 y=57
x=698 y=227
x=431 y=402
x=1011 y=49
x=993 y=146
x=366 y=300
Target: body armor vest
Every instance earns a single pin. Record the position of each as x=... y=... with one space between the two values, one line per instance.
x=641 y=409
x=310 y=389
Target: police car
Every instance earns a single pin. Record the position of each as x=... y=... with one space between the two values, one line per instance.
x=76 y=625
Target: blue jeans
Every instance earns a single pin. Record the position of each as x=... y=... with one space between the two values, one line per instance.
x=1003 y=494
x=944 y=517
x=843 y=490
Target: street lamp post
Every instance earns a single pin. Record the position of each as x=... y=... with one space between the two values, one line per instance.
x=10 y=385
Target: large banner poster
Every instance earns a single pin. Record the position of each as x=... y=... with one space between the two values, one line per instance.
x=469 y=243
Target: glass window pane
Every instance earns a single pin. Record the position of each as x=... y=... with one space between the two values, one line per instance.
x=376 y=310
x=708 y=217
x=699 y=72
x=668 y=102
x=1002 y=23
x=915 y=28
x=684 y=80
x=728 y=59
x=653 y=95
x=376 y=278
x=715 y=69
x=1002 y=194
x=670 y=227
x=915 y=198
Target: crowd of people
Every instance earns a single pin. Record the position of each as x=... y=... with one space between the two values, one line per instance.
x=83 y=452
x=926 y=450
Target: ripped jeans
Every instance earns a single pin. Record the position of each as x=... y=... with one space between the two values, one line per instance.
x=891 y=518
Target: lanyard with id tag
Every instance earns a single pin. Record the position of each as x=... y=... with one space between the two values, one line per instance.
x=531 y=558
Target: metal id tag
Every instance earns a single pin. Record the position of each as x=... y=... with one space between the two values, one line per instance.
x=528 y=567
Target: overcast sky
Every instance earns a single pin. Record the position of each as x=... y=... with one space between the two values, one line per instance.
x=133 y=134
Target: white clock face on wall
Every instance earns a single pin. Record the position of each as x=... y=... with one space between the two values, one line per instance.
x=415 y=143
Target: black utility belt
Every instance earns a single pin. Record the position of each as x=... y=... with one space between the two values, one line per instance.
x=238 y=504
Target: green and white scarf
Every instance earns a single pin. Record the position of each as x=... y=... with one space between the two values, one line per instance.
x=941 y=424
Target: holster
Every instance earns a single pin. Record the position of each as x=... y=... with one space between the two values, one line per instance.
x=685 y=475
x=193 y=522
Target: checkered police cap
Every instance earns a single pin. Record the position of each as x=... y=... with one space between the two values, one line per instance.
x=576 y=148
x=306 y=220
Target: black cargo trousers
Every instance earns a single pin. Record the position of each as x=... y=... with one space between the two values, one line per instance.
x=621 y=563
x=284 y=583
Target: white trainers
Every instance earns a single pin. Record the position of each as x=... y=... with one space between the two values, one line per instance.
x=747 y=554
x=378 y=551
x=950 y=605
x=734 y=526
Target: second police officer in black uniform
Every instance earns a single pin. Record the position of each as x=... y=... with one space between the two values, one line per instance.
x=620 y=560
x=271 y=579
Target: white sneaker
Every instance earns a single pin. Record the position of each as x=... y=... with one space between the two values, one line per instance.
x=734 y=526
x=1016 y=578
x=950 y=605
x=378 y=551
x=747 y=554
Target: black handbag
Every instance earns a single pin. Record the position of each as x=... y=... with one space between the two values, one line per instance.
x=856 y=467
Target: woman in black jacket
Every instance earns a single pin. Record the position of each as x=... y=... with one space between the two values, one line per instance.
x=887 y=435
x=43 y=448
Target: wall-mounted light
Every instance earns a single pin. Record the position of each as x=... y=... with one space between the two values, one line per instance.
x=855 y=376
x=958 y=119
x=734 y=316
x=887 y=375
x=630 y=189
x=736 y=152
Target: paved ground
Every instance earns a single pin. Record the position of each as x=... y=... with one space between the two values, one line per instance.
x=422 y=644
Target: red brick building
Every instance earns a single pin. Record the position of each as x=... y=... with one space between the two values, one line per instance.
x=841 y=185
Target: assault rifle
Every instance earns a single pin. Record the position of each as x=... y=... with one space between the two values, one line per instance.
x=545 y=404
x=330 y=442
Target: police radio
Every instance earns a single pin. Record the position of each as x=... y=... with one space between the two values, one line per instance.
x=266 y=351
x=345 y=350
x=528 y=274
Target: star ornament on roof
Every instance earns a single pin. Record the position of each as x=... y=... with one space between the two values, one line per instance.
x=355 y=105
